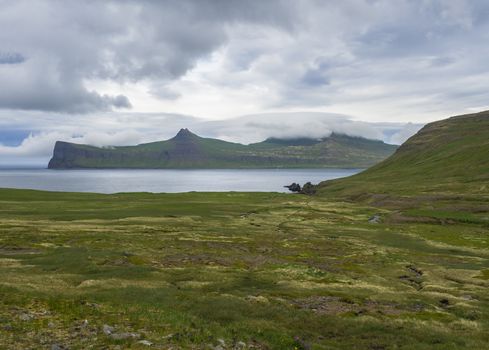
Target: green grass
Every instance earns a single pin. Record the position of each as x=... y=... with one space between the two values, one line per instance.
x=447 y=157
x=271 y=270
x=267 y=270
x=188 y=150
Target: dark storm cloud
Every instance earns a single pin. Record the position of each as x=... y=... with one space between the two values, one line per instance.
x=11 y=58
x=55 y=54
x=43 y=88
x=315 y=77
x=70 y=42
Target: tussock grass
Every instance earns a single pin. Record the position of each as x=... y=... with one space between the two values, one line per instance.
x=183 y=270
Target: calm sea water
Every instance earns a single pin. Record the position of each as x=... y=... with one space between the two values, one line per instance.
x=113 y=181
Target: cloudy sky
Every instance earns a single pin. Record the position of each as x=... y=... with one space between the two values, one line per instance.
x=127 y=71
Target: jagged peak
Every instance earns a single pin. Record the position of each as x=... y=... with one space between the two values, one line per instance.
x=184 y=133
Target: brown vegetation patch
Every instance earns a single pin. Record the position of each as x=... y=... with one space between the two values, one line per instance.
x=178 y=260
x=330 y=305
x=18 y=251
x=399 y=218
x=413 y=277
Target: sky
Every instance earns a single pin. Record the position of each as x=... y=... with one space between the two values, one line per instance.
x=130 y=71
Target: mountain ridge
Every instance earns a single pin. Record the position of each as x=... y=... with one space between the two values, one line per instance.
x=187 y=150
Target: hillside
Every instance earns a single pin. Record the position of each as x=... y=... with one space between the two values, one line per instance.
x=187 y=150
x=447 y=156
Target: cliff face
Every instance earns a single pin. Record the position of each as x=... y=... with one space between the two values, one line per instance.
x=65 y=155
x=187 y=150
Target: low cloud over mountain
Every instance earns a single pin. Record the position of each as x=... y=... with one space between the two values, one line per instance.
x=131 y=129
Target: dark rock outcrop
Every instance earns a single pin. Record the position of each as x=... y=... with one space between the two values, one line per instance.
x=308 y=189
x=294 y=187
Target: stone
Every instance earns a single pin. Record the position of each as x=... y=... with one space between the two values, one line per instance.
x=375 y=219
x=94 y=305
x=25 y=317
x=145 y=342
x=294 y=187
x=124 y=335
x=108 y=330
x=308 y=189
x=240 y=345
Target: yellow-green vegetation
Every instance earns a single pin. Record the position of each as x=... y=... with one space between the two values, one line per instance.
x=234 y=270
x=394 y=258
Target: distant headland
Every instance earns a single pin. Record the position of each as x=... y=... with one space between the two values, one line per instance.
x=187 y=150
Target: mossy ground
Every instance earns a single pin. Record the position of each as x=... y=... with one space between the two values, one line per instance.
x=272 y=271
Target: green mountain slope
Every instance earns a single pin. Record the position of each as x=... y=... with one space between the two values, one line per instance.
x=448 y=156
x=187 y=150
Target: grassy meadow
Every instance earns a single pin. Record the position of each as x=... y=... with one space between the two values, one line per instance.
x=242 y=271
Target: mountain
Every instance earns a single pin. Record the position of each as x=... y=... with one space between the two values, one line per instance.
x=447 y=156
x=187 y=150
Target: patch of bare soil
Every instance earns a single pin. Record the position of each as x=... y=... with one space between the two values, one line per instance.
x=329 y=305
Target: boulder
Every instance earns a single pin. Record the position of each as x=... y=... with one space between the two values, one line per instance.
x=108 y=330
x=308 y=189
x=145 y=342
x=294 y=187
x=376 y=219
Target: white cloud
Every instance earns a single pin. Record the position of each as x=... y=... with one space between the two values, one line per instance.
x=42 y=144
x=70 y=75
x=380 y=60
x=255 y=128
x=131 y=129
x=406 y=132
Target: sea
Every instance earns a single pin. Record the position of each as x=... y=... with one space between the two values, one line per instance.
x=170 y=181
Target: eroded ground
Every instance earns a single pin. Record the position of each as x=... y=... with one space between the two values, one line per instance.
x=241 y=271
